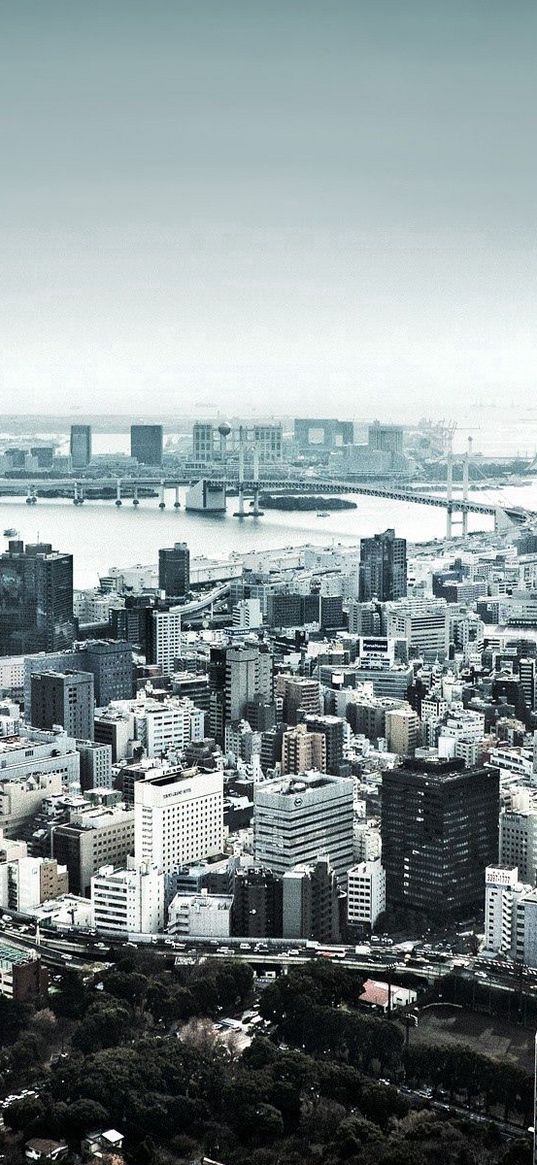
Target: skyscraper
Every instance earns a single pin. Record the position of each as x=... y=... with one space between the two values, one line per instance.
x=146 y=444
x=36 y=599
x=64 y=698
x=174 y=570
x=382 y=570
x=439 y=829
x=80 y=446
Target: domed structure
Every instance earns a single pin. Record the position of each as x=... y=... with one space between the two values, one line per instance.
x=224 y=429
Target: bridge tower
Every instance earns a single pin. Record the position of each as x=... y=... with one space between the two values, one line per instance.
x=465 y=485
x=118 y=492
x=240 y=512
x=449 y=486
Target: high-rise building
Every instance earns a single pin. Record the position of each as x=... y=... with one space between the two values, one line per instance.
x=382 y=570
x=179 y=818
x=257 y=903
x=174 y=570
x=300 y=819
x=95 y=765
x=203 y=441
x=310 y=902
x=110 y=663
x=36 y=599
x=333 y=729
x=527 y=671
x=248 y=675
x=80 y=446
x=424 y=623
x=147 y=444
x=64 y=698
x=518 y=837
x=299 y=695
x=439 y=825
x=303 y=750
x=93 y=838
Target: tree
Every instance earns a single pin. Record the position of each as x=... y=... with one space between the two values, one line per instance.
x=22 y=1115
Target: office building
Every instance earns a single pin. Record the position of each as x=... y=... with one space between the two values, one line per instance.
x=303 y=750
x=299 y=695
x=115 y=726
x=109 y=661
x=310 y=903
x=334 y=731
x=128 y=901
x=366 y=893
x=80 y=446
x=300 y=819
x=203 y=441
x=64 y=698
x=322 y=434
x=382 y=571
x=166 y=639
x=504 y=890
x=95 y=764
x=423 y=623
x=257 y=903
x=527 y=673
x=110 y=664
x=439 y=825
x=174 y=570
x=147 y=444
x=385 y=438
x=248 y=676
x=36 y=599
x=200 y=915
x=91 y=839
x=179 y=818
x=518 y=836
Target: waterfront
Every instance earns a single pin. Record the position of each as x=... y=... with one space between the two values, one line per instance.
x=100 y=535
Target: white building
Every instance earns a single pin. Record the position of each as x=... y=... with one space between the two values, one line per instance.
x=202 y=915
x=424 y=623
x=129 y=901
x=169 y=724
x=168 y=638
x=503 y=892
x=299 y=819
x=518 y=836
x=179 y=818
x=35 y=752
x=247 y=614
x=366 y=893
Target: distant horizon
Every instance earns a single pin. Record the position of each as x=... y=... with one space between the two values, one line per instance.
x=328 y=204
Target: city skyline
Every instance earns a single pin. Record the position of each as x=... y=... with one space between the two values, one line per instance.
x=212 y=204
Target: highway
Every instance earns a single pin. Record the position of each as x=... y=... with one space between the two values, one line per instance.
x=88 y=952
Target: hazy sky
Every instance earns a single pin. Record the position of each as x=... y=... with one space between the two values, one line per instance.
x=295 y=206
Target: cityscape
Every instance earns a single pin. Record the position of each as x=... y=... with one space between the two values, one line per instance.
x=268 y=583
x=322 y=754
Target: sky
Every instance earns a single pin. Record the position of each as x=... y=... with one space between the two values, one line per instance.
x=286 y=206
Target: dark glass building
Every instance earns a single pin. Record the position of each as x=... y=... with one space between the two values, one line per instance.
x=439 y=826
x=64 y=698
x=382 y=571
x=257 y=904
x=146 y=444
x=36 y=599
x=174 y=570
x=80 y=446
